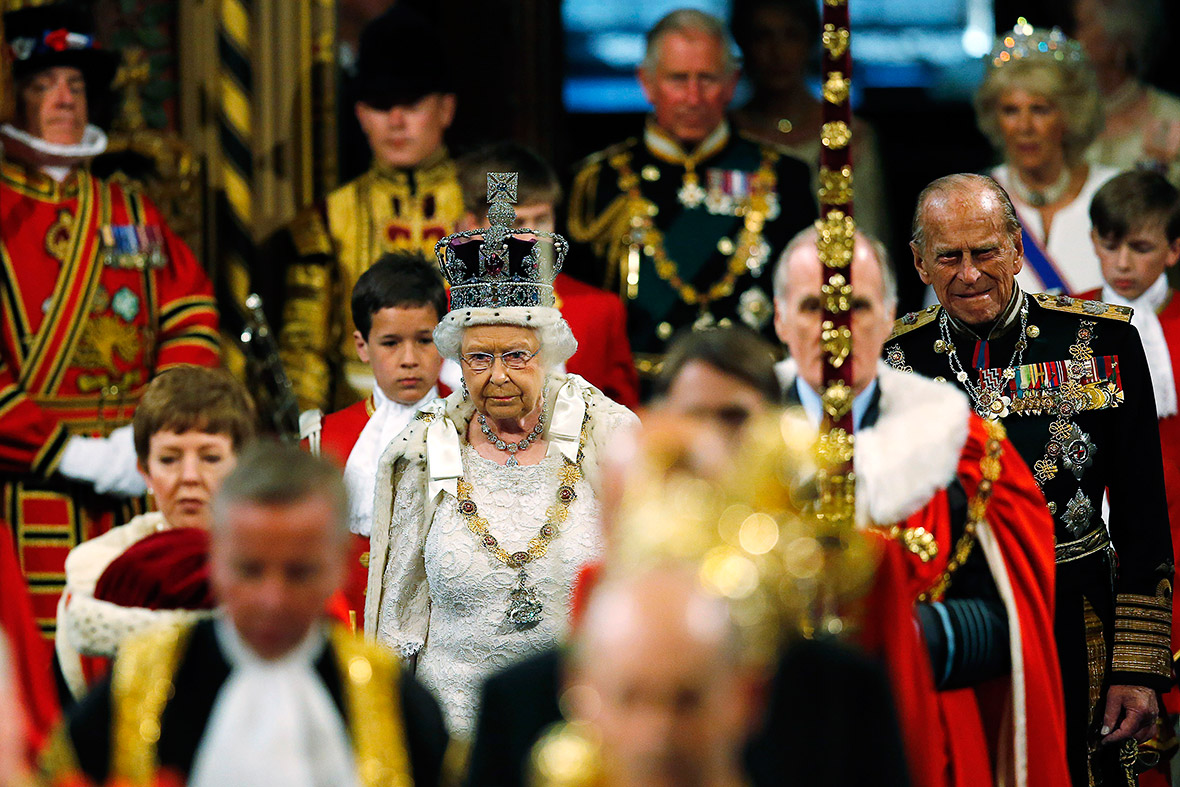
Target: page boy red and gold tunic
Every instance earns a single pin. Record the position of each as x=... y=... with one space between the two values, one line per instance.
x=97 y=296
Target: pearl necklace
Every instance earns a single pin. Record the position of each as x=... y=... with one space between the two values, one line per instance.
x=989 y=404
x=512 y=448
x=1039 y=198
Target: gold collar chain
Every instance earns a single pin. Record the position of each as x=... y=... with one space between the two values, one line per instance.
x=524 y=604
x=749 y=254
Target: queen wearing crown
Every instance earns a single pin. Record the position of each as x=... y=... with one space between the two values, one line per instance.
x=1039 y=107
x=486 y=508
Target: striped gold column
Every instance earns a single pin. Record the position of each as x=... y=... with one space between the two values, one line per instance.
x=235 y=200
x=835 y=237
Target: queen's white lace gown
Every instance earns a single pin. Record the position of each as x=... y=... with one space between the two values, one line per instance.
x=445 y=596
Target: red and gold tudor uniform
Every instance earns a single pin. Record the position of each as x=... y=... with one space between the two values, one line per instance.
x=1078 y=406
x=98 y=296
x=333 y=438
x=384 y=210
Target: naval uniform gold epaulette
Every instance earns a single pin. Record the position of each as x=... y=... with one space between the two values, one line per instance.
x=908 y=322
x=310 y=235
x=1066 y=303
x=595 y=159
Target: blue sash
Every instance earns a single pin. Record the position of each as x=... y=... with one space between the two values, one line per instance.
x=1036 y=257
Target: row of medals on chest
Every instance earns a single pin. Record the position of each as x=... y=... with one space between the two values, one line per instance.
x=1066 y=439
x=754 y=306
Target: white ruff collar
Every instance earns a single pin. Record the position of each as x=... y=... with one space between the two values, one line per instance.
x=913 y=449
x=1155 y=344
x=94 y=142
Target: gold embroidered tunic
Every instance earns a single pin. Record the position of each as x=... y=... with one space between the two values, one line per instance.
x=98 y=295
x=382 y=211
x=149 y=718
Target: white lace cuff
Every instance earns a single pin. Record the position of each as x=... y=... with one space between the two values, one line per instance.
x=409 y=649
x=97 y=628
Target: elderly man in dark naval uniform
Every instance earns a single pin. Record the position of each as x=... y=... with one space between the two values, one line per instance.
x=1070 y=381
x=684 y=220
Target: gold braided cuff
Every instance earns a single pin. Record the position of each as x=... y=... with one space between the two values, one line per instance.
x=1143 y=634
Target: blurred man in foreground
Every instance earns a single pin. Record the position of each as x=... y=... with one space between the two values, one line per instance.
x=657 y=678
x=268 y=693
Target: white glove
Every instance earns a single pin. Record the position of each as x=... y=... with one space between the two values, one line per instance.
x=107 y=462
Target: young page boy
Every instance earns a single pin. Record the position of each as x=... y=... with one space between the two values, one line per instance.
x=596 y=317
x=1136 y=233
x=395 y=306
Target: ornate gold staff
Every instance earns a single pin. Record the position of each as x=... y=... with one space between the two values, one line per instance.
x=836 y=232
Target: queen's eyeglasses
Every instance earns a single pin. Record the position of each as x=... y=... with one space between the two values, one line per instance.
x=512 y=359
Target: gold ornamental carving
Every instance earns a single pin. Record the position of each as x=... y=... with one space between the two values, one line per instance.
x=835 y=186
x=836 y=88
x=835 y=40
x=835 y=135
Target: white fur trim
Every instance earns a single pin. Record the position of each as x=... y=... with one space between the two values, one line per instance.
x=557 y=340
x=913 y=449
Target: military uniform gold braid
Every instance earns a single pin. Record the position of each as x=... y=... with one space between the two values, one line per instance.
x=568 y=476
x=634 y=212
x=921 y=543
x=141 y=685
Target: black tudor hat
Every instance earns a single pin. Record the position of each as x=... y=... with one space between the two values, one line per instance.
x=401 y=60
x=61 y=34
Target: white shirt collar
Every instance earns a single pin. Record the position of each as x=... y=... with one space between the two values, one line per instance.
x=1155 y=344
x=814 y=405
x=360 y=471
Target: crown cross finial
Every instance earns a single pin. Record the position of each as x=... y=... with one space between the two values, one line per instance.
x=501 y=187
x=501 y=217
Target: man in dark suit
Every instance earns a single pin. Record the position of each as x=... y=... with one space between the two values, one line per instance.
x=268 y=692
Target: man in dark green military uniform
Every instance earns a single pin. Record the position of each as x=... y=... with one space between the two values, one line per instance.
x=1070 y=380
x=684 y=221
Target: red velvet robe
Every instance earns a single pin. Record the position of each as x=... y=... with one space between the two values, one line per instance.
x=598 y=320
x=30 y=653
x=954 y=737
x=80 y=338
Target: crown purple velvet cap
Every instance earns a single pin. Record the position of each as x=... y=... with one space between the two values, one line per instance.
x=495 y=267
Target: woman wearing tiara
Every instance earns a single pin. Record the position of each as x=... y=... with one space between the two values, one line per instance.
x=485 y=507
x=1040 y=109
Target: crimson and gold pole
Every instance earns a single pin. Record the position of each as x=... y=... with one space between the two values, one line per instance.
x=835 y=236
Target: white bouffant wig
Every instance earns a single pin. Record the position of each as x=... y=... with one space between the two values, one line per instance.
x=556 y=340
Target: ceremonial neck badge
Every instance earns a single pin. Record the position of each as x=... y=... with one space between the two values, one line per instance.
x=988 y=399
x=495 y=267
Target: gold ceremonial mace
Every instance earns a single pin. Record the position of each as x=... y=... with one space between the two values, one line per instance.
x=836 y=231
